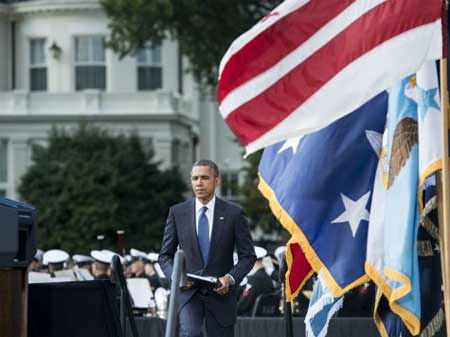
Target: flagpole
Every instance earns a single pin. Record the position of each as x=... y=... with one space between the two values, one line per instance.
x=444 y=201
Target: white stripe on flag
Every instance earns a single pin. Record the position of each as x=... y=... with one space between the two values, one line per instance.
x=285 y=8
x=358 y=82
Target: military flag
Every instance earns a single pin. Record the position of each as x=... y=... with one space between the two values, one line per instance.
x=411 y=152
x=431 y=296
x=298 y=269
x=322 y=306
x=394 y=268
x=429 y=121
x=319 y=186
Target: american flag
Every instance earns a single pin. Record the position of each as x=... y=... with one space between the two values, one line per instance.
x=310 y=62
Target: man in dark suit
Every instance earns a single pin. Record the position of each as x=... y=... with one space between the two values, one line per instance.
x=208 y=229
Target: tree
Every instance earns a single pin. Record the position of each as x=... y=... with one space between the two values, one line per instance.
x=204 y=29
x=87 y=182
x=255 y=205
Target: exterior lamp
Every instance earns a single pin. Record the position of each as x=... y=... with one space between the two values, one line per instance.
x=55 y=50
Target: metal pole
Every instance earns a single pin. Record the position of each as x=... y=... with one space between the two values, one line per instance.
x=444 y=202
x=174 y=290
x=123 y=321
x=288 y=319
x=287 y=306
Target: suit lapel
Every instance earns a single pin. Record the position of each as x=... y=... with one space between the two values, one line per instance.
x=191 y=225
x=218 y=221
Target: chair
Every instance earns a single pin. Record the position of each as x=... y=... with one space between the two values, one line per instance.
x=267 y=305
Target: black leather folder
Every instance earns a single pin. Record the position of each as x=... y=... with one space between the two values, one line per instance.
x=203 y=282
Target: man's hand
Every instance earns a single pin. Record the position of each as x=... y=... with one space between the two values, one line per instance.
x=187 y=285
x=225 y=283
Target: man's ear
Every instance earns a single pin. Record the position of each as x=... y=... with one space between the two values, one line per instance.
x=218 y=181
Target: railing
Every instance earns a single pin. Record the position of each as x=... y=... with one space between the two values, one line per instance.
x=176 y=279
x=93 y=102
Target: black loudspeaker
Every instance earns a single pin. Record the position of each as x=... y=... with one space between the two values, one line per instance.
x=18 y=239
x=73 y=309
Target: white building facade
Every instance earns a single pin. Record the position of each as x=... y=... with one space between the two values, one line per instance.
x=56 y=71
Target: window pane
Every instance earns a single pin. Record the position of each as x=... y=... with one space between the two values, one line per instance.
x=38 y=79
x=142 y=56
x=3 y=160
x=98 y=47
x=230 y=185
x=147 y=145
x=81 y=49
x=149 y=78
x=156 y=54
x=90 y=77
x=37 y=51
x=150 y=54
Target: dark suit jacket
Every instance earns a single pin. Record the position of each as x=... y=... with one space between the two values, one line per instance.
x=230 y=230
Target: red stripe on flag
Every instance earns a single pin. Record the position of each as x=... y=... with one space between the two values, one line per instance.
x=299 y=270
x=262 y=113
x=274 y=43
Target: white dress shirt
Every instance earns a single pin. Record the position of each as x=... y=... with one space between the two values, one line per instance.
x=209 y=213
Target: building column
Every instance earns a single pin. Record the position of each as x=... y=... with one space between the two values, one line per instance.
x=18 y=164
x=208 y=132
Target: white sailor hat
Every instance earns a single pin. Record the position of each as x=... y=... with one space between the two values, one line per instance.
x=137 y=254
x=78 y=258
x=152 y=257
x=260 y=252
x=127 y=259
x=38 y=255
x=101 y=257
x=279 y=251
x=55 y=256
x=110 y=254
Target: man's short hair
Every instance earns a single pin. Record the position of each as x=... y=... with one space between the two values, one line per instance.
x=207 y=162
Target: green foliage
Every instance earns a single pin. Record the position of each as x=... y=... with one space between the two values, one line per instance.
x=203 y=28
x=254 y=204
x=88 y=182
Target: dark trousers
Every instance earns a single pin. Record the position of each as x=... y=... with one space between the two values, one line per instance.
x=192 y=316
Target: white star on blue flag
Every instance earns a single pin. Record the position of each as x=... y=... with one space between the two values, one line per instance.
x=354 y=213
x=291 y=143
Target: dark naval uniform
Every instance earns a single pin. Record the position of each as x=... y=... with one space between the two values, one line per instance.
x=258 y=283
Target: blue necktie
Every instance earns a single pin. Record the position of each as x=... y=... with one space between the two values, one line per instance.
x=203 y=234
